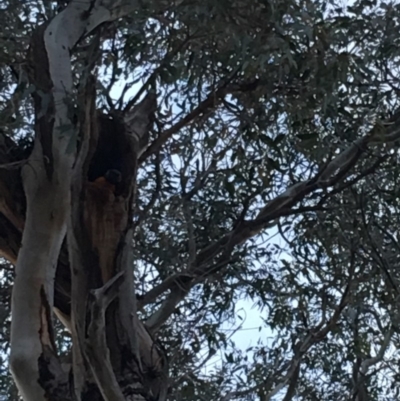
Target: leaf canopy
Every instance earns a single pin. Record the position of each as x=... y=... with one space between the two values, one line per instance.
x=254 y=97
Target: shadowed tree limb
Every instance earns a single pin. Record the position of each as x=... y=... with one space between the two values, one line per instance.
x=329 y=175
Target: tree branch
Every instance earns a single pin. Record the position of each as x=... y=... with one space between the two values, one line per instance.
x=96 y=349
x=317 y=334
x=211 y=101
x=329 y=175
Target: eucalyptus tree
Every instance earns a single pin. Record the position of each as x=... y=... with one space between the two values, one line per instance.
x=152 y=153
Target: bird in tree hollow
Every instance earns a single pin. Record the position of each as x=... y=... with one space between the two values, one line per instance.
x=109 y=180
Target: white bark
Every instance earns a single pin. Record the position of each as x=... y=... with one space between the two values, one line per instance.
x=47 y=208
x=48 y=198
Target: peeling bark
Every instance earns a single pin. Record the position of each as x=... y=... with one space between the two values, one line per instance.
x=100 y=242
x=96 y=213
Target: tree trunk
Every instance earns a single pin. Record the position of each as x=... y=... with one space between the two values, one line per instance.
x=79 y=185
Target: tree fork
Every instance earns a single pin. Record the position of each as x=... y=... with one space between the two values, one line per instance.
x=58 y=201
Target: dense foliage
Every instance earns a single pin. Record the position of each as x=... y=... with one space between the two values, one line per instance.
x=254 y=96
